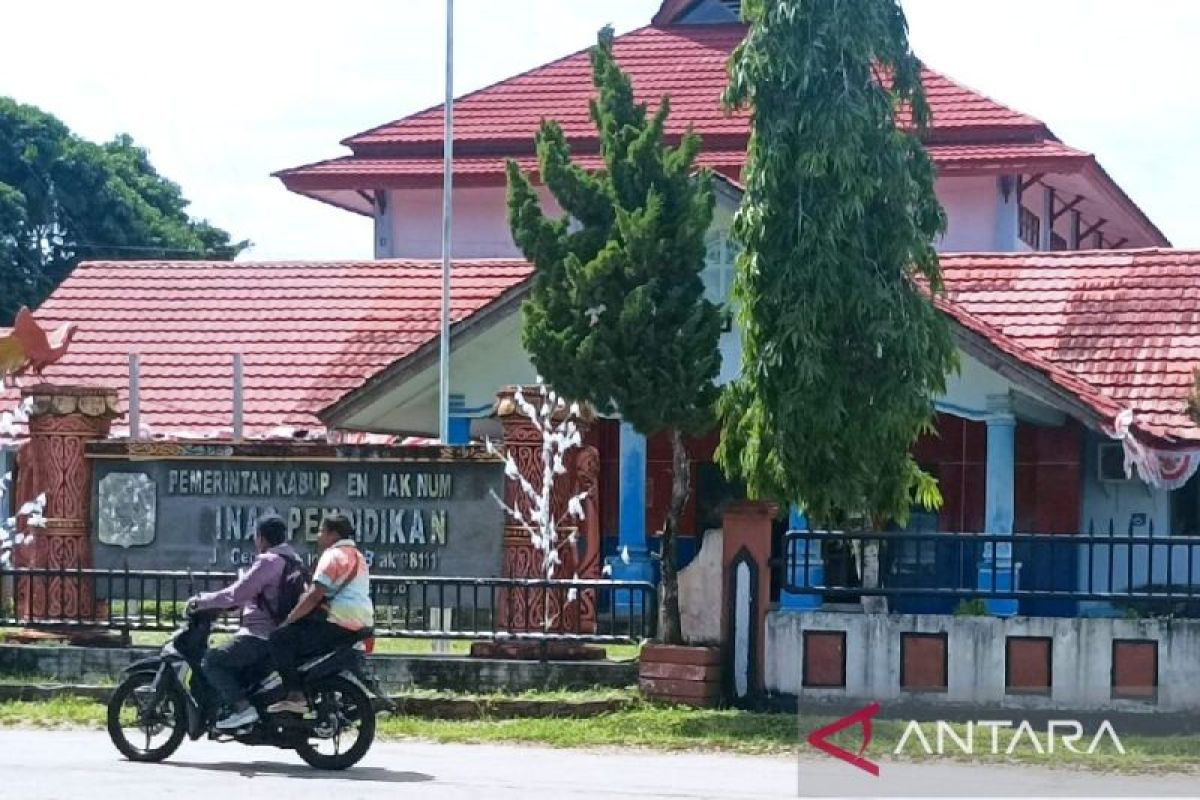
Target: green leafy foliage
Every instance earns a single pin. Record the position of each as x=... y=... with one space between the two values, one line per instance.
x=843 y=352
x=617 y=314
x=64 y=199
x=974 y=607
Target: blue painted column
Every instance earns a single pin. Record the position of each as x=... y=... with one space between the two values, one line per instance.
x=461 y=417
x=805 y=567
x=459 y=430
x=997 y=563
x=631 y=537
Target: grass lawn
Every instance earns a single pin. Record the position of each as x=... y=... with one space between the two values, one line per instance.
x=678 y=729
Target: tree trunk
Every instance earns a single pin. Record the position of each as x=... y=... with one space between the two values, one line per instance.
x=670 y=626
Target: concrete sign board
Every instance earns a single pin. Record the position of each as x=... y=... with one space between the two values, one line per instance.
x=414 y=516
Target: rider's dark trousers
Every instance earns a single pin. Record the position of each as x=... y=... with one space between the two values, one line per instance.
x=225 y=664
x=292 y=644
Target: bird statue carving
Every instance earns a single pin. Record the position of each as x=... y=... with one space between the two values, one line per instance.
x=28 y=348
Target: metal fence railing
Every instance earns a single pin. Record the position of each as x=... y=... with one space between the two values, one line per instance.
x=1154 y=573
x=598 y=611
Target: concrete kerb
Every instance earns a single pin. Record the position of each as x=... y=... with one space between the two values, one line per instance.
x=447 y=708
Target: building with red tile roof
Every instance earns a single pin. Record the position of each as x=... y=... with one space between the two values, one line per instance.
x=1077 y=326
x=971 y=134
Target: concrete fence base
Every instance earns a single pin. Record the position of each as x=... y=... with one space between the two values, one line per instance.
x=1134 y=666
x=395 y=673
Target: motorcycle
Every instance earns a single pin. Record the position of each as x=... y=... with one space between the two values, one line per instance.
x=166 y=697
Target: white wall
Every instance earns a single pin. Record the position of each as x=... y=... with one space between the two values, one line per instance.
x=970 y=205
x=481 y=224
x=1129 y=508
x=1116 y=504
x=967 y=392
x=481 y=231
x=480 y=227
x=478 y=368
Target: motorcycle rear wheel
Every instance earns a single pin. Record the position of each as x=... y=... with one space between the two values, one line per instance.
x=170 y=714
x=351 y=708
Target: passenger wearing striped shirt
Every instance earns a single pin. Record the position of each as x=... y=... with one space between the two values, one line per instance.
x=331 y=613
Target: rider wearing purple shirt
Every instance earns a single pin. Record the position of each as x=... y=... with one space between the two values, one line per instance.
x=255 y=592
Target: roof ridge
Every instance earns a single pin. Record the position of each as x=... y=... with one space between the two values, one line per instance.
x=347 y=142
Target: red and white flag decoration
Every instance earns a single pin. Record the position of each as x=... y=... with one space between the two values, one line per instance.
x=1165 y=469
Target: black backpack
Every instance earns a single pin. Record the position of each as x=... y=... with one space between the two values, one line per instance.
x=292 y=584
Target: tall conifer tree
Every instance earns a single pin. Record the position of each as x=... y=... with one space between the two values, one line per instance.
x=617 y=314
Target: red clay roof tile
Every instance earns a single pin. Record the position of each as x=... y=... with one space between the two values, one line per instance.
x=686 y=62
x=1116 y=330
x=1124 y=324
x=309 y=332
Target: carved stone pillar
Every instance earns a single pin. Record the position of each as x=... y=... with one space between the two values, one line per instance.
x=587 y=476
x=526 y=610
x=61 y=423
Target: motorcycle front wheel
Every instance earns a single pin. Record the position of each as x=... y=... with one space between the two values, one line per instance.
x=344 y=728
x=142 y=729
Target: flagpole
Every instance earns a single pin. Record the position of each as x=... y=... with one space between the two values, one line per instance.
x=447 y=220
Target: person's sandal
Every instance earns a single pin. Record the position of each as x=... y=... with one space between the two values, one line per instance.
x=293 y=704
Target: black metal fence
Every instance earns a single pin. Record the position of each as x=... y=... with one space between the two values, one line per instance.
x=597 y=611
x=1049 y=574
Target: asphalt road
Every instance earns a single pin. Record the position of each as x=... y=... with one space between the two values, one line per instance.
x=52 y=765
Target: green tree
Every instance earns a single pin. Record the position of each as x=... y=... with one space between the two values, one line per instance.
x=843 y=351
x=617 y=315
x=64 y=199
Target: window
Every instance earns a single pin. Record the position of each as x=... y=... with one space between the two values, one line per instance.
x=708 y=12
x=1029 y=228
x=718 y=268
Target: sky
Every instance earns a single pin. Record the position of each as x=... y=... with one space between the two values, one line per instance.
x=223 y=93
